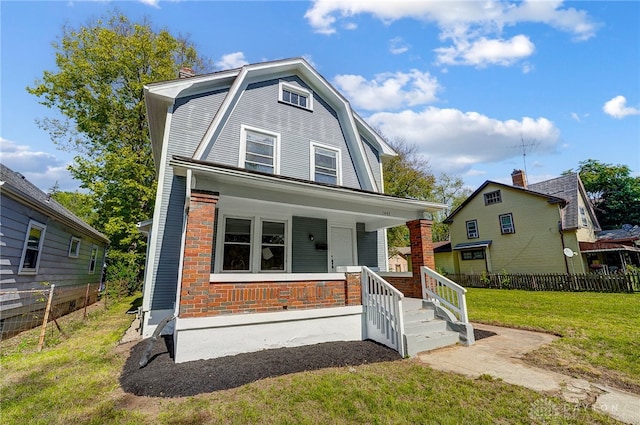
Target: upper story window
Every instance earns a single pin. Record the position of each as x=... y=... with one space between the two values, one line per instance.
x=74 y=247
x=259 y=150
x=295 y=95
x=506 y=224
x=32 y=248
x=494 y=197
x=472 y=229
x=583 y=217
x=325 y=164
x=93 y=260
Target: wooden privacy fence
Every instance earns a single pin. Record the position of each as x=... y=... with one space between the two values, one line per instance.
x=592 y=282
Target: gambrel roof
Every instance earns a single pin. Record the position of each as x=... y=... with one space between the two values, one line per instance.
x=159 y=98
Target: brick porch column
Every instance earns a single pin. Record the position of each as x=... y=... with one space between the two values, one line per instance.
x=353 y=289
x=196 y=267
x=421 y=252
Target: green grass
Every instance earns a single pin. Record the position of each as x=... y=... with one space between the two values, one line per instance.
x=600 y=331
x=74 y=380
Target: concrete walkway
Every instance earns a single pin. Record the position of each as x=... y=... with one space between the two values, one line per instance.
x=501 y=357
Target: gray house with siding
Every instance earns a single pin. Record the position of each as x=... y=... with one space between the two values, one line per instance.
x=43 y=243
x=270 y=202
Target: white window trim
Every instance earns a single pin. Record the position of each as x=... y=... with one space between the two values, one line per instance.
x=298 y=90
x=512 y=228
x=43 y=227
x=312 y=160
x=76 y=253
x=243 y=146
x=93 y=258
x=475 y=235
x=256 y=243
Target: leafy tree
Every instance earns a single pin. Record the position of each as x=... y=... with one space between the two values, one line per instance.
x=613 y=192
x=102 y=68
x=81 y=204
x=408 y=175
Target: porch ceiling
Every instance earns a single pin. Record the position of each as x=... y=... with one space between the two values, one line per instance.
x=253 y=191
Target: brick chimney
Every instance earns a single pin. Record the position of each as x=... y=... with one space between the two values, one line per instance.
x=519 y=178
x=186 y=72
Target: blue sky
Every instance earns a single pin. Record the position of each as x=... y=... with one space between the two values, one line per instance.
x=467 y=82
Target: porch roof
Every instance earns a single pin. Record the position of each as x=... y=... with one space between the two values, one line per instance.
x=470 y=245
x=238 y=187
x=586 y=247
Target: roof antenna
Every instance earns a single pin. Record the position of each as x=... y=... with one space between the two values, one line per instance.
x=527 y=146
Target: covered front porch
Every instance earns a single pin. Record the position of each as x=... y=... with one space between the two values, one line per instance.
x=270 y=261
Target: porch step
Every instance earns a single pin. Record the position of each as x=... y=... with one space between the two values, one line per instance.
x=423 y=332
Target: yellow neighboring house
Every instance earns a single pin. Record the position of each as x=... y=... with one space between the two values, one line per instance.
x=522 y=228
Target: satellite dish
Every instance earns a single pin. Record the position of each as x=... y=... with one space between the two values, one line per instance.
x=568 y=252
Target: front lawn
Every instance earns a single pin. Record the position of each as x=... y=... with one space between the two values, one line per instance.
x=600 y=331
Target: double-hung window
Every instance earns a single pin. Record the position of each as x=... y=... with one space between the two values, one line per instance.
x=32 y=248
x=506 y=224
x=325 y=164
x=93 y=260
x=74 y=247
x=244 y=251
x=295 y=95
x=259 y=150
x=472 y=229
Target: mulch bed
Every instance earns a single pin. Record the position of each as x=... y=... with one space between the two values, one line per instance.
x=161 y=377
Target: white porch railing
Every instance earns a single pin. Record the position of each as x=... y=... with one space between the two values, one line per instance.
x=383 y=309
x=444 y=292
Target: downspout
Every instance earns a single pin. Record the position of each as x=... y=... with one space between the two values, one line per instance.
x=566 y=263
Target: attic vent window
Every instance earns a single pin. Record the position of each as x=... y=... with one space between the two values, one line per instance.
x=295 y=95
x=491 y=198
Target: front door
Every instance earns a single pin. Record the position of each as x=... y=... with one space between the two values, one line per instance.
x=341 y=247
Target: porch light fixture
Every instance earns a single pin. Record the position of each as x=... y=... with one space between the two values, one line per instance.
x=311 y=238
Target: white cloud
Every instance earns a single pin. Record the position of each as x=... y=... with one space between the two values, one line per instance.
x=483 y=52
x=388 y=91
x=617 y=108
x=40 y=168
x=397 y=46
x=153 y=3
x=455 y=141
x=231 y=60
x=473 y=27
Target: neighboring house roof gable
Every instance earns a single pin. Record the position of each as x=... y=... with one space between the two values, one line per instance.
x=549 y=198
x=15 y=185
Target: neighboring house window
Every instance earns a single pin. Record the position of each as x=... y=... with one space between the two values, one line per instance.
x=494 y=197
x=583 y=217
x=94 y=259
x=237 y=245
x=325 y=164
x=259 y=150
x=241 y=250
x=506 y=224
x=472 y=229
x=74 y=247
x=273 y=248
x=32 y=248
x=295 y=95
x=475 y=254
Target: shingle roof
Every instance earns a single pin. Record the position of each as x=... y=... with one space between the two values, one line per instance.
x=568 y=187
x=16 y=184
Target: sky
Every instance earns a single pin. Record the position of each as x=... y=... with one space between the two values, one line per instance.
x=479 y=87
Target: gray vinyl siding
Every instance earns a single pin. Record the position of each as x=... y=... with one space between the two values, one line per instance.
x=373 y=158
x=191 y=118
x=55 y=267
x=367 y=246
x=307 y=256
x=258 y=107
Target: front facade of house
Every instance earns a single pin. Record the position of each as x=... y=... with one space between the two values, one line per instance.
x=269 y=193
x=42 y=244
x=522 y=228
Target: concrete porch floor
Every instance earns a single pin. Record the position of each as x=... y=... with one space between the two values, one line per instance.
x=500 y=356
